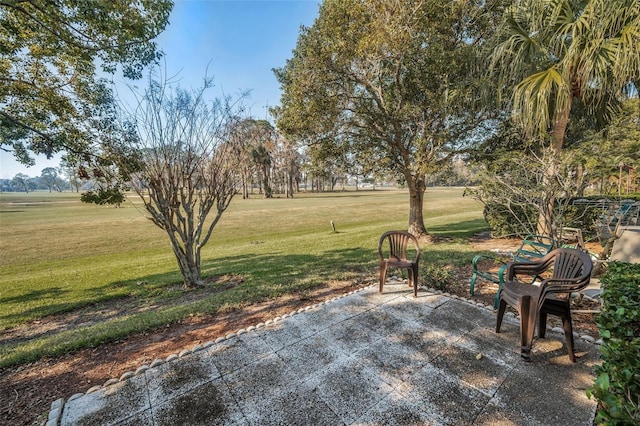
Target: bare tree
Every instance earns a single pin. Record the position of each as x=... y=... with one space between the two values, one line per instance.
x=518 y=185
x=179 y=159
x=288 y=164
x=71 y=171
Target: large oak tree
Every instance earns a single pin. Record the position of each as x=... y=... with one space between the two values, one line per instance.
x=50 y=52
x=392 y=81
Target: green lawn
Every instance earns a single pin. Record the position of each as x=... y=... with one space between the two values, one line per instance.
x=59 y=255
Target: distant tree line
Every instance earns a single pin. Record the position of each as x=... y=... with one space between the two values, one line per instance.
x=49 y=180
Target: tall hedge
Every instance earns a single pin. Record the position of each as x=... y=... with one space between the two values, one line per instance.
x=617 y=387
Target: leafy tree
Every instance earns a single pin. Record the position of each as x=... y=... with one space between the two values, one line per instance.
x=102 y=175
x=49 y=178
x=101 y=196
x=256 y=143
x=616 y=147
x=49 y=51
x=262 y=160
x=288 y=164
x=391 y=82
x=179 y=157
x=22 y=182
x=240 y=133
x=71 y=171
x=552 y=53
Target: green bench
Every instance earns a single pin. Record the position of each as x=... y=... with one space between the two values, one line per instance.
x=533 y=247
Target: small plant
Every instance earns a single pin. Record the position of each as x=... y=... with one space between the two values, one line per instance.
x=617 y=387
x=437 y=276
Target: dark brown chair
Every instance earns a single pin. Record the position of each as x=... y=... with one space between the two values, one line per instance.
x=533 y=247
x=392 y=250
x=563 y=271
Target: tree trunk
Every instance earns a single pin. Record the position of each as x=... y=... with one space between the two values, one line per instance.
x=289 y=185
x=245 y=189
x=189 y=266
x=416 y=201
x=580 y=178
x=268 y=193
x=192 y=278
x=546 y=218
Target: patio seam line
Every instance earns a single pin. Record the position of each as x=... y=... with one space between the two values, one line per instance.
x=57 y=407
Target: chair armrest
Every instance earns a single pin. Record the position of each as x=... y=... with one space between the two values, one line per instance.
x=501 y=272
x=480 y=257
x=524 y=268
x=563 y=285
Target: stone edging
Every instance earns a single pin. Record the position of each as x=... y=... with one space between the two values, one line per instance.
x=55 y=412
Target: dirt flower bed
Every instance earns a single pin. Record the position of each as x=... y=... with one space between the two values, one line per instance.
x=27 y=391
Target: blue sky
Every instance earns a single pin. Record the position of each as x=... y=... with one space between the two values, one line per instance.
x=240 y=41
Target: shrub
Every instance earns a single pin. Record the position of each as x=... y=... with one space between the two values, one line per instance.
x=517 y=220
x=584 y=217
x=617 y=387
x=512 y=221
x=437 y=276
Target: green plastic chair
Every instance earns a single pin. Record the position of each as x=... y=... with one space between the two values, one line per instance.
x=533 y=247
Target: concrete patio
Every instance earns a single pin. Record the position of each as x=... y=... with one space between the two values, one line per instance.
x=362 y=359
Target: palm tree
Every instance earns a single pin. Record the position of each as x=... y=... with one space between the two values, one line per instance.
x=552 y=52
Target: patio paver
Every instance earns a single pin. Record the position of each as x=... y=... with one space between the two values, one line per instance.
x=363 y=359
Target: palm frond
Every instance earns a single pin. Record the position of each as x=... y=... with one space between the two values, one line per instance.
x=539 y=97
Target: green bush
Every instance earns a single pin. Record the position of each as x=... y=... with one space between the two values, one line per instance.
x=617 y=387
x=437 y=276
x=517 y=221
x=583 y=217
x=505 y=222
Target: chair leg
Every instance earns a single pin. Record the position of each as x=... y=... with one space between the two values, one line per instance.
x=542 y=325
x=568 y=335
x=383 y=276
x=496 y=299
x=502 y=307
x=415 y=280
x=527 y=326
x=472 y=285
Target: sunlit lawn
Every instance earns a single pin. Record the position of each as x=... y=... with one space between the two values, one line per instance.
x=59 y=255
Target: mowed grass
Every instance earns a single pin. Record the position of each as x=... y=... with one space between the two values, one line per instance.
x=59 y=255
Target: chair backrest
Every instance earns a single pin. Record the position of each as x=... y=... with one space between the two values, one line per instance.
x=572 y=263
x=572 y=238
x=568 y=264
x=533 y=247
x=398 y=244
